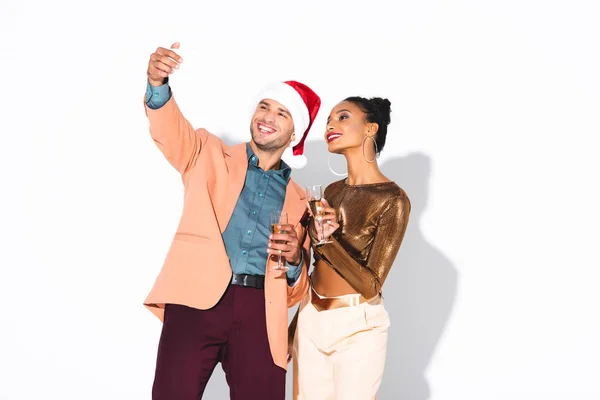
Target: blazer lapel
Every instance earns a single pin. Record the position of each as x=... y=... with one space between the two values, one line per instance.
x=237 y=166
x=295 y=200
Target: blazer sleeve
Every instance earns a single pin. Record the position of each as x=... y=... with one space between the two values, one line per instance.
x=174 y=135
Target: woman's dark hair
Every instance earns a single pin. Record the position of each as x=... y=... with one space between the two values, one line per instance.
x=376 y=110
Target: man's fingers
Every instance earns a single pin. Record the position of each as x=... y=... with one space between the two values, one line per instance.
x=163 y=63
x=162 y=67
x=287 y=247
x=153 y=71
x=169 y=53
x=166 y=60
x=282 y=236
x=284 y=240
x=275 y=252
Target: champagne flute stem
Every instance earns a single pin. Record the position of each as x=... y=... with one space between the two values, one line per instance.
x=322 y=230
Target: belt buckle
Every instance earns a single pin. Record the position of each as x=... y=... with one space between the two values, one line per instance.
x=333 y=303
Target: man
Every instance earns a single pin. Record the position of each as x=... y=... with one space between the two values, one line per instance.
x=217 y=294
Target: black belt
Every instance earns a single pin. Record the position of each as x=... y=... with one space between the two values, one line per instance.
x=254 y=281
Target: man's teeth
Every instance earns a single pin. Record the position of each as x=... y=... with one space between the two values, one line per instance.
x=265 y=129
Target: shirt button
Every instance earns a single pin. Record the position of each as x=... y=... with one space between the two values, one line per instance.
x=244 y=252
x=253 y=212
x=260 y=194
x=253 y=158
x=249 y=232
x=156 y=94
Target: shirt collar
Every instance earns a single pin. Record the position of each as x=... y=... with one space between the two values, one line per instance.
x=284 y=170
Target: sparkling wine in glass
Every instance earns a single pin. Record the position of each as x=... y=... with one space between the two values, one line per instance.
x=279 y=218
x=314 y=195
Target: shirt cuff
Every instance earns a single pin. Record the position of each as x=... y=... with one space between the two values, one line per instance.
x=294 y=271
x=157 y=96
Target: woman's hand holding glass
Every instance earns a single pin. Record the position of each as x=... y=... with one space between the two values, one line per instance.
x=325 y=222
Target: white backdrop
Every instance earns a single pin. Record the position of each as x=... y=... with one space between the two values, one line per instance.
x=494 y=128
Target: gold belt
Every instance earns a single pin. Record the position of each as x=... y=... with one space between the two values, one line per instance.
x=330 y=303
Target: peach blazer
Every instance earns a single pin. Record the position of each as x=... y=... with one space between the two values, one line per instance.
x=196 y=270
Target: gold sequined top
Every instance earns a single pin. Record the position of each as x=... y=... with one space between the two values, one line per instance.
x=373 y=220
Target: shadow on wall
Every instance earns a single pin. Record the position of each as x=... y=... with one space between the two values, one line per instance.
x=420 y=290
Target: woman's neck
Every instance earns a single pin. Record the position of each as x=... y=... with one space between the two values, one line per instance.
x=361 y=172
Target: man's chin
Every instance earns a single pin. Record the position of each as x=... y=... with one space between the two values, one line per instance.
x=265 y=146
x=261 y=143
x=268 y=147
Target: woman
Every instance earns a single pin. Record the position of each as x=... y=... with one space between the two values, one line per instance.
x=339 y=334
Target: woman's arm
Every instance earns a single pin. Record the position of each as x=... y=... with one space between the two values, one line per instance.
x=368 y=279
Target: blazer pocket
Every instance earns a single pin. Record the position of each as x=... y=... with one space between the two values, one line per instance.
x=191 y=237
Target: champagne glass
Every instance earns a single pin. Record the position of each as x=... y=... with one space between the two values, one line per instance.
x=315 y=195
x=279 y=218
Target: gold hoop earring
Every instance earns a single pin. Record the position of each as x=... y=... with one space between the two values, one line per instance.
x=363 y=148
x=331 y=169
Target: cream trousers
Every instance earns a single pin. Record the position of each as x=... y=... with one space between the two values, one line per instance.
x=339 y=354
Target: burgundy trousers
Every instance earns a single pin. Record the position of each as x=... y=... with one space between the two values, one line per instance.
x=234 y=333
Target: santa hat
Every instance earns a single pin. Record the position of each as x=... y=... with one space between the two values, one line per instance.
x=303 y=105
